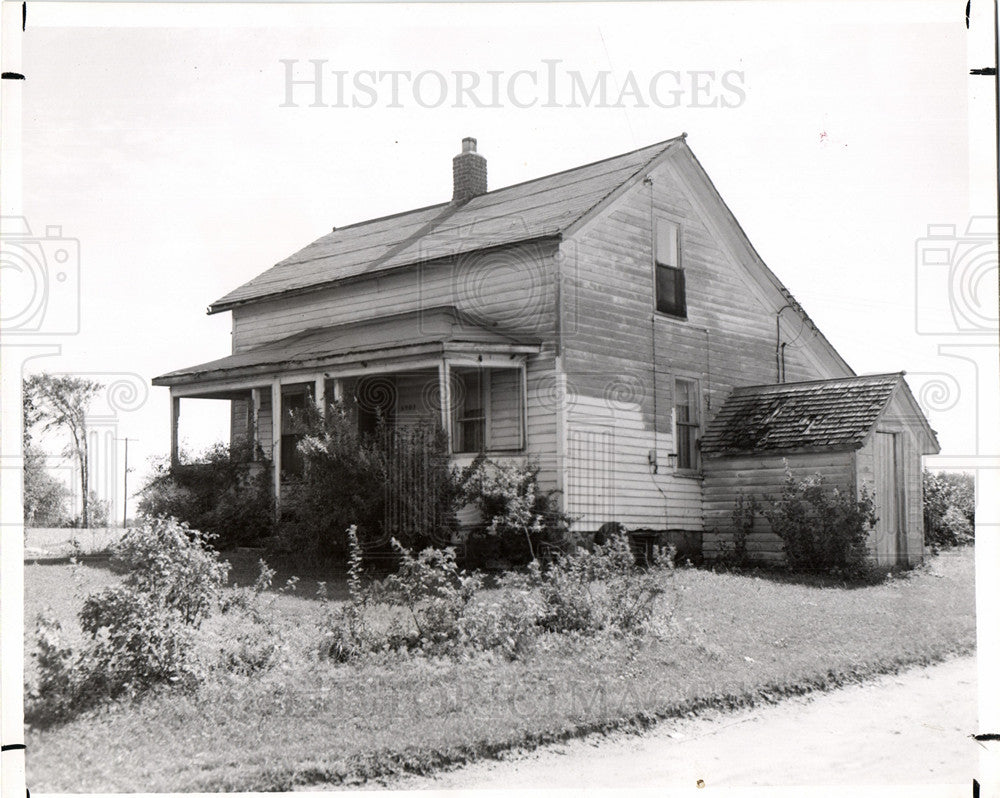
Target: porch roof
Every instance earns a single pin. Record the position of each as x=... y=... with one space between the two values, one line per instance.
x=434 y=331
x=836 y=414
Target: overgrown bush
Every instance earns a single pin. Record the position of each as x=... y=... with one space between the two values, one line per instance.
x=435 y=594
x=824 y=530
x=949 y=509
x=345 y=633
x=140 y=632
x=745 y=509
x=447 y=611
x=221 y=493
x=251 y=640
x=604 y=589
x=393 y=482
x=520 y=521
x=174 y=564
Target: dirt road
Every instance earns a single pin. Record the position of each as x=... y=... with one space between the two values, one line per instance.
x=912 y=728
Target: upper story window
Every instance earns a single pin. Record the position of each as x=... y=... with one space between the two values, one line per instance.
x=670 y=296
x=686 y=423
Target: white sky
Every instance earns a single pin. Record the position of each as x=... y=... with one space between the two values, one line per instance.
x=159 y=143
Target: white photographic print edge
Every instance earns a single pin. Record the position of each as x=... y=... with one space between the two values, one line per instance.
x=158 y=156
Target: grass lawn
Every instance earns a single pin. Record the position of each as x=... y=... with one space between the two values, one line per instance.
x=739 y=639
x=46 y=543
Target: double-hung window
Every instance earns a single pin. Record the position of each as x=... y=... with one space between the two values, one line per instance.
x=686 y=423
x=670 y=296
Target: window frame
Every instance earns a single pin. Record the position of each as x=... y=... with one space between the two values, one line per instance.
x=693 y=426
x=463 y=417
x=485 y=417
x=673 y=266
x=292 y=463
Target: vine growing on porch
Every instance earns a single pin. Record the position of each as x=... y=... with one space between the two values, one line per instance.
x=220 y=492
x=393 y=482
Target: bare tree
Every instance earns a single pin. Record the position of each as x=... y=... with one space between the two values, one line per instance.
x=61 y=402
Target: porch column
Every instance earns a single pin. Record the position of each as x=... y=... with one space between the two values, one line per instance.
x=276 y=444
x=320 y=395
x=175 y=415
x=254 y=422
x=444 y=389
x=338 y=390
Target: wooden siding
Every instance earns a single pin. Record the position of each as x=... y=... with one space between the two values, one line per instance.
x=512 y=288
x=609 y=333
x=239 y=421
x=761 y=476
x=264 y=425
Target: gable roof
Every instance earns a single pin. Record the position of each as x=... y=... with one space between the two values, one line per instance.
x=431 y=329
x=833 y=414
x=540 y=208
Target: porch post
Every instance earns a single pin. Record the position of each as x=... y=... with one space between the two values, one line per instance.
x=338 y=390
x=276 y=443
x=523 y=371
x=254 y=422
x=175 y=415
x=320 y=395
x=444 y=389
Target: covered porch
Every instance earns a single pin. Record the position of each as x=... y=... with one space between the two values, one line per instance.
x=436 y=366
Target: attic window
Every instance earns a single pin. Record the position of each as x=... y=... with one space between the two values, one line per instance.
x=670 y=296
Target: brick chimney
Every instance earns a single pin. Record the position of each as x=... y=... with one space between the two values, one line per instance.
x=469 y=172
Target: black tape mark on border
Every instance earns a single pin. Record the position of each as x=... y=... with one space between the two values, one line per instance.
x=12 y=76
x=14 y=747
x=983 y=738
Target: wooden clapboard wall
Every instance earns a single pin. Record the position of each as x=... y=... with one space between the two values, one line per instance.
x=609 y=333
x=761 y=476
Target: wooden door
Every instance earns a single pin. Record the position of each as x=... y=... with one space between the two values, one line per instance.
x=887 y=503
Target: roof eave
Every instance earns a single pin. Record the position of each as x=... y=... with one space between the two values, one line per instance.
x=840 y=447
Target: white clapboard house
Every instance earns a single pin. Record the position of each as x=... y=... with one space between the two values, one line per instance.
x=612 y=322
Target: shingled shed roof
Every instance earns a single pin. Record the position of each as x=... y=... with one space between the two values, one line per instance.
x=541 y=208
x=834 y=414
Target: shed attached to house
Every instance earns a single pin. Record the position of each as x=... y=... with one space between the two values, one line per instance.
x=853 y=431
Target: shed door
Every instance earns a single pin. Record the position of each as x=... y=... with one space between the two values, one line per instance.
x=887 y=503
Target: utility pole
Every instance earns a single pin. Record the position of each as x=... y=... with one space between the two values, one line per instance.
x=125 y=487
